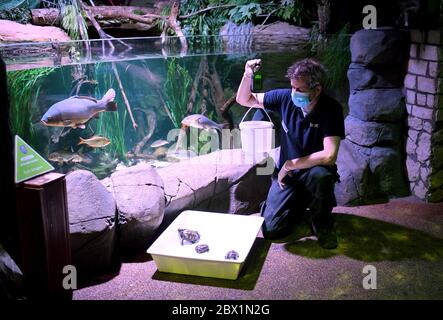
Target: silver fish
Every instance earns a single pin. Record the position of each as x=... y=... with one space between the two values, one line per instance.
x=201 y=122
x=159 y=143
x=76 y=111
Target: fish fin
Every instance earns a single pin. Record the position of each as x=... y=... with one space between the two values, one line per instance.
x=111 y=106
x=85 y=98
x=109 y=95
x=81 y=126
x=82 y=141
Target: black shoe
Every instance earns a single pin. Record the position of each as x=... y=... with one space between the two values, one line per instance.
x=327 y=239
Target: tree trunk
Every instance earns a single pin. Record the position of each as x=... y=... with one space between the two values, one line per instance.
x=139 y=14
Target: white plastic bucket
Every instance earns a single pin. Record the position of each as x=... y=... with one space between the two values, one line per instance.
x=256 y=136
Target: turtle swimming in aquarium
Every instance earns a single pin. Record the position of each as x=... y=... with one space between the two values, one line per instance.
x=189 y=236
x=232 y=255
x=202 y=248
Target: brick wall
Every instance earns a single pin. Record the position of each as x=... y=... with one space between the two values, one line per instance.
x=424 y=104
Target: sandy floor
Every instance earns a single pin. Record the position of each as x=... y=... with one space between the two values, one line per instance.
x=403 y=239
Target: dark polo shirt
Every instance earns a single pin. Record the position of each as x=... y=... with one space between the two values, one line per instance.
x=300 y=135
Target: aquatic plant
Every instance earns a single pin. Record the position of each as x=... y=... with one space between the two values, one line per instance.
x=177 y=85
x=336 y=57
x=24 y=88
x=72 y=19
x=111 y=125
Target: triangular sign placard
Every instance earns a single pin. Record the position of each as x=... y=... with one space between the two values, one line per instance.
x=28 y=163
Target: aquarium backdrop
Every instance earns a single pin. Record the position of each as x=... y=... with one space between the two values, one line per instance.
x=156 y=85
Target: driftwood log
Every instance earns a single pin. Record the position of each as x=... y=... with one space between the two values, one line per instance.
x=139 y=14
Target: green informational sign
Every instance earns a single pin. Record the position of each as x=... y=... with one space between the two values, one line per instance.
x=28 y=163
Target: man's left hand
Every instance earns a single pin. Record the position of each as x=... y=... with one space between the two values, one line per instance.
x=282 y=174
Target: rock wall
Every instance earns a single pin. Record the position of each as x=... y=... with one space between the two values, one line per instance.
x=424 y=97
x=371 y=158
x=125 y=212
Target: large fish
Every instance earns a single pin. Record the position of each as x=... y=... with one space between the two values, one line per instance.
x=201 y=122
x=76 y=111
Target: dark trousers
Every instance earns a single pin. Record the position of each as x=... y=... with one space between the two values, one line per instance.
x=308 y=188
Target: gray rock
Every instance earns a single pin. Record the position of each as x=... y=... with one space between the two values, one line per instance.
x=370 y=133
x=377 y=105
x=420 y=190
x=423 y=147
x=140 y=198
x=11 y=278
x=92 y=221
x=225 y=182
x=369 y=175
x=362 y=78
x=388 y=172
x=353 y=168
x=380 y=47
x=415 y=123
x=413 y=168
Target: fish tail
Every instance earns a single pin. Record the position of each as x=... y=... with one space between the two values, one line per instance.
x=82 y=141
x=111 y=106
x=109 y=95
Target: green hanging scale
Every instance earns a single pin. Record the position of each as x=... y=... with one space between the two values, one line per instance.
x=257 y=79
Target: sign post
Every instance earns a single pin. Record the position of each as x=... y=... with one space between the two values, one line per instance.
x=43 y=221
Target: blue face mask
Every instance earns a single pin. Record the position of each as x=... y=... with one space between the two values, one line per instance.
x=300 y=99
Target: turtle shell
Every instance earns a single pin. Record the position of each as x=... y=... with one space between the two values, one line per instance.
x=202 y=248
x=190 y=236
x=232 y=255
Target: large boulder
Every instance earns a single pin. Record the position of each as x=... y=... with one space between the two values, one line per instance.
x=353 y=168
x=92 y=221
x=369 y=175
x=388 y=170
x=11 y=31
x=362 y=77
x=11 y=278
x=242 y=183
x=140 y=198
x=227 y=181
x=378 y=105
x=371 y=133
x=379 y=47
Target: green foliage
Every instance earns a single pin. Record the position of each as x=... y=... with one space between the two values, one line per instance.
x=111 y=125
x=24 y=88
x=293 y=11
x=240 y=11
x=20 y=15
x=245 y=12
x=205 y=23
x=177 y=85
x=72 y=19
x=336 y=57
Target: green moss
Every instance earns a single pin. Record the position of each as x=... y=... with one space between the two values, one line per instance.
x=374 y=241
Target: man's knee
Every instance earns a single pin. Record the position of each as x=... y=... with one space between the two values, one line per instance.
x=322 y=178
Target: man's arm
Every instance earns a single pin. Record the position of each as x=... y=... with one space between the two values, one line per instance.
x=244 y=95
x=326 y=157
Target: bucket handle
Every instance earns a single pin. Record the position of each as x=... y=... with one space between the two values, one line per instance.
x=256 y=108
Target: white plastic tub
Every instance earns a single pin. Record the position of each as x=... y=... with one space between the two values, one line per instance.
x=257 y=137
x=220 y=231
